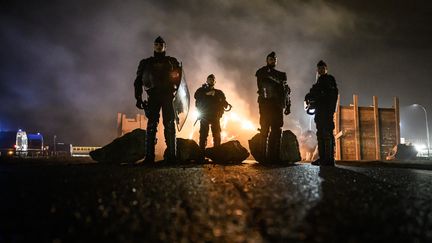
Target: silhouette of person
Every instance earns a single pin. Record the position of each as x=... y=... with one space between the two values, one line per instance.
x=210 y=103
x=160 y=75
x=273 y=91
x=323 y=95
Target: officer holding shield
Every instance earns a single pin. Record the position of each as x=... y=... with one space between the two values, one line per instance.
x=160 y=75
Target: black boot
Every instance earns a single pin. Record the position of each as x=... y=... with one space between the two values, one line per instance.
x=273 y=149
x=202 y=143
x=329 y=152
x=321 y=151
x=264 y=158
x=150 y=143
x=216 y=140
x=203 y=134
x=170 y=140
x=316 y=162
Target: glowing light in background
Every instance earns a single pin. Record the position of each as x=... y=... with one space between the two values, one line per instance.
x=420 y=147
x=237 y=124
x=234 y=125
x=247 y=125
x=196 y=114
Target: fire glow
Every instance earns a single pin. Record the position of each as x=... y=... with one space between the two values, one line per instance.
x=234 y=127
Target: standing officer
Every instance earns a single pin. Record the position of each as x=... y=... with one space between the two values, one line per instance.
x=273 y=96
x=160 y=75
x=210 y=103
x=323 y=97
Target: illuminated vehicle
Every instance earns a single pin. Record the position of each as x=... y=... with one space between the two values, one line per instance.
x=35 y=144
x=13 y=143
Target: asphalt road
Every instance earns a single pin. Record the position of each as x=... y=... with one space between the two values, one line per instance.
x=201 y=203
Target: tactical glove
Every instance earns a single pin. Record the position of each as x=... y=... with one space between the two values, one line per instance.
x=141 y=104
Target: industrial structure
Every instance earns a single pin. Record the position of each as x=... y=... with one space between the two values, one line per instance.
x=366 y=133
x=125 y=125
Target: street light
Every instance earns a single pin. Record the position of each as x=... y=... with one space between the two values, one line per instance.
x=427 y=125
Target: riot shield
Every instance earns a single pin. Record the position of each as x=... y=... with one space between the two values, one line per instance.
x=181 y=102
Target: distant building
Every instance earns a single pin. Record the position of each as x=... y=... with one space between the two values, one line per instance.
x=125 y=125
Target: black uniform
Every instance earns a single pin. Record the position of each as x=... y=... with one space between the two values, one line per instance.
x=324 y=95
x=211 y=103
x=158 y=76
x=272 y=90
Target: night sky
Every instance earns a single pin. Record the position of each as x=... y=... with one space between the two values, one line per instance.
x=67 y=67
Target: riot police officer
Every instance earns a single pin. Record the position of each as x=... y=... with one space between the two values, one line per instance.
x=210 y=103
x=160 y=75
x=273 y=97
x=323 y=97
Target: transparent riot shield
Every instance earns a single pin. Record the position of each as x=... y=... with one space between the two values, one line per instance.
x=181 y=102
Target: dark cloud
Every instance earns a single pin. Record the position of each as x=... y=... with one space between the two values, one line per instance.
x=68 y=67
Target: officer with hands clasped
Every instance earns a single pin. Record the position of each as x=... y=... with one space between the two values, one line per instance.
x=211 y=104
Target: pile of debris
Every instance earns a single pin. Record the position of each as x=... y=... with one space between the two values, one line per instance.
x=131 y=148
